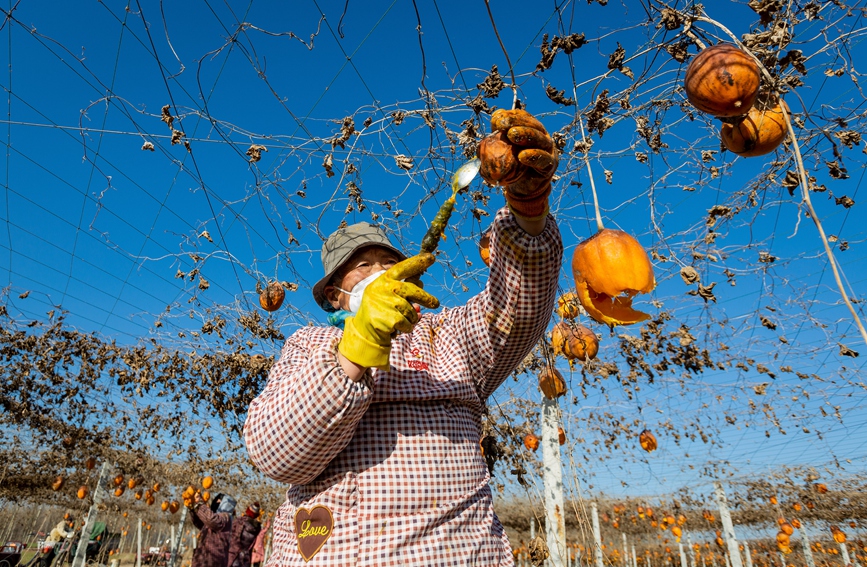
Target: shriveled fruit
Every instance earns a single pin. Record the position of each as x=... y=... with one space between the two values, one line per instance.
x=531 y=441
x=610 y=268
x=561 y=435
x=552 y=383
x=118 y=480
x=272 y=296
x=174 y=506
x=574 y=341
x=722 y=80
x=90 y=463
x=759 y=133
x=58 y=483
x=647 y=440
x=499 y=159
x=118 y=491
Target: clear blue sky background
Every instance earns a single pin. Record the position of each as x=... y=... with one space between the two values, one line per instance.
x=95 y=225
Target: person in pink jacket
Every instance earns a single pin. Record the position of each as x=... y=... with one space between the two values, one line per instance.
x=375 y=425
x=259 y=545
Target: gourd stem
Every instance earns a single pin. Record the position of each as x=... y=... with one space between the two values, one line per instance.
x=599 y=226
x=802 y=177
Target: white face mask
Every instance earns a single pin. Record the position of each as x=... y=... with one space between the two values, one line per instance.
x=358 y=291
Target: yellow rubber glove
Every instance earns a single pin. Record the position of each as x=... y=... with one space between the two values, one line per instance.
x=526 y=166
x=386 y=308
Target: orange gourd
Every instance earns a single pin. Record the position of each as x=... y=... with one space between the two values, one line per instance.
x=647 y=440
x=758 y=133
x=531 y=441
x=722 y=80
x=568 y=305
x=272 y=296
x=552 y=383
x=90 y=463
x=485 y=249
x=207 y=482
x=82 y=492
x=610 y=268
x=58 y=483
x=574 y=341
x=174 y=506
x=561 y=435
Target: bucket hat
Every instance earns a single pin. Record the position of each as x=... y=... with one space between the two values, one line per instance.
x=339 y=248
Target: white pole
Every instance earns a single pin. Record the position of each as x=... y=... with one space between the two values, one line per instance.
x=808 y=553
x=728 y=529
x=748 y=554
x=692 y=557
x=555 y=521
x=634 y=558
x=844 y=553
x=532 y=529
x=682 y=555
x=176 y=543
x=98 y=494
x=597 y=535
x=138 y=543
x=625 y=552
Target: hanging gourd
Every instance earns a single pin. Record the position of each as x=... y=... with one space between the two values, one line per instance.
x=552 y=383
x=758 y=133
x=531 y=441
x=722 y=80
x=574 y=341
x=568 y=305
x=610 y=268
x=57 y=484
x=272 y=296
x=647 y=441
x=207 y=482
x=485 y=248
x=82 y=492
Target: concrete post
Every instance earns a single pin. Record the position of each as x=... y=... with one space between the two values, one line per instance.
x=734 y=553
x=555 y=521
x=597 y=535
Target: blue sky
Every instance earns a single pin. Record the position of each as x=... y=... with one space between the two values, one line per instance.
x=100 y=227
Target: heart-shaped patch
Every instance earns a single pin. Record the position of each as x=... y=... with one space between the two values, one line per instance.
x=312 y=529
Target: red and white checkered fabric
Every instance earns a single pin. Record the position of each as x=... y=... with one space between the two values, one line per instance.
x=395 y=457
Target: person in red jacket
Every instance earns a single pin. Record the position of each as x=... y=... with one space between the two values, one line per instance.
x=375 y=421
x=215 y=525
x=244 y=532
